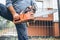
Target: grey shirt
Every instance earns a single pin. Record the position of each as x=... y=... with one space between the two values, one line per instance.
x=20 y=5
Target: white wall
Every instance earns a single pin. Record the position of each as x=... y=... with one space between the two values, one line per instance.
x=47 y=3
x=55 y=6
x=52 y=4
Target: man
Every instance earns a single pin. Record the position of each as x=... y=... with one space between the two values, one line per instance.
x=11 y=12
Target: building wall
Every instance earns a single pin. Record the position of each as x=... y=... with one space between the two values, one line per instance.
x=44 y=29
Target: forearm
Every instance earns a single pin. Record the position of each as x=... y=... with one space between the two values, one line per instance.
x=10 y=6
x=12 y=10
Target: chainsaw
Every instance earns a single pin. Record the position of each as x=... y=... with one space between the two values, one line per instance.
x=29 y=14
x=26 y=15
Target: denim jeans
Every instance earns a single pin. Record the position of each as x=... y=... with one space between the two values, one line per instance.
x=21 y=28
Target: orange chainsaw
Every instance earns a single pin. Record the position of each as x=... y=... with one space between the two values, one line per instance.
x=26 y=15
x=29 y=14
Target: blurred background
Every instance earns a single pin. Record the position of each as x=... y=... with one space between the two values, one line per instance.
x=45 y=27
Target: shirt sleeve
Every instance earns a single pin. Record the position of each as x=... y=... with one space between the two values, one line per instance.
x=8 y=3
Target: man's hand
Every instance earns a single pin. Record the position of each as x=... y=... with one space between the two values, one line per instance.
x=16 y=16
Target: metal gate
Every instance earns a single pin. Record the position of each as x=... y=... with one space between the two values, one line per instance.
x=44 y=29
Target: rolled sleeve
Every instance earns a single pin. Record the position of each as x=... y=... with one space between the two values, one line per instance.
x=8 y=3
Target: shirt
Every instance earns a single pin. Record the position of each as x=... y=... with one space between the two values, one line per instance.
x=20 y=5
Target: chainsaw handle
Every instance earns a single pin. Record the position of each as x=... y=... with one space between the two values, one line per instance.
x=25 y=18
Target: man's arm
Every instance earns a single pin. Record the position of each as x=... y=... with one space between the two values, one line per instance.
x=10 y=6
x=12 y=10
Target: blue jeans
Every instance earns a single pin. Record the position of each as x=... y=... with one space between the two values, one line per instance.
x=21 y=28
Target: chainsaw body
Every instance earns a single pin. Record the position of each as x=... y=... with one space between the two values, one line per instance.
x=25 y=17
